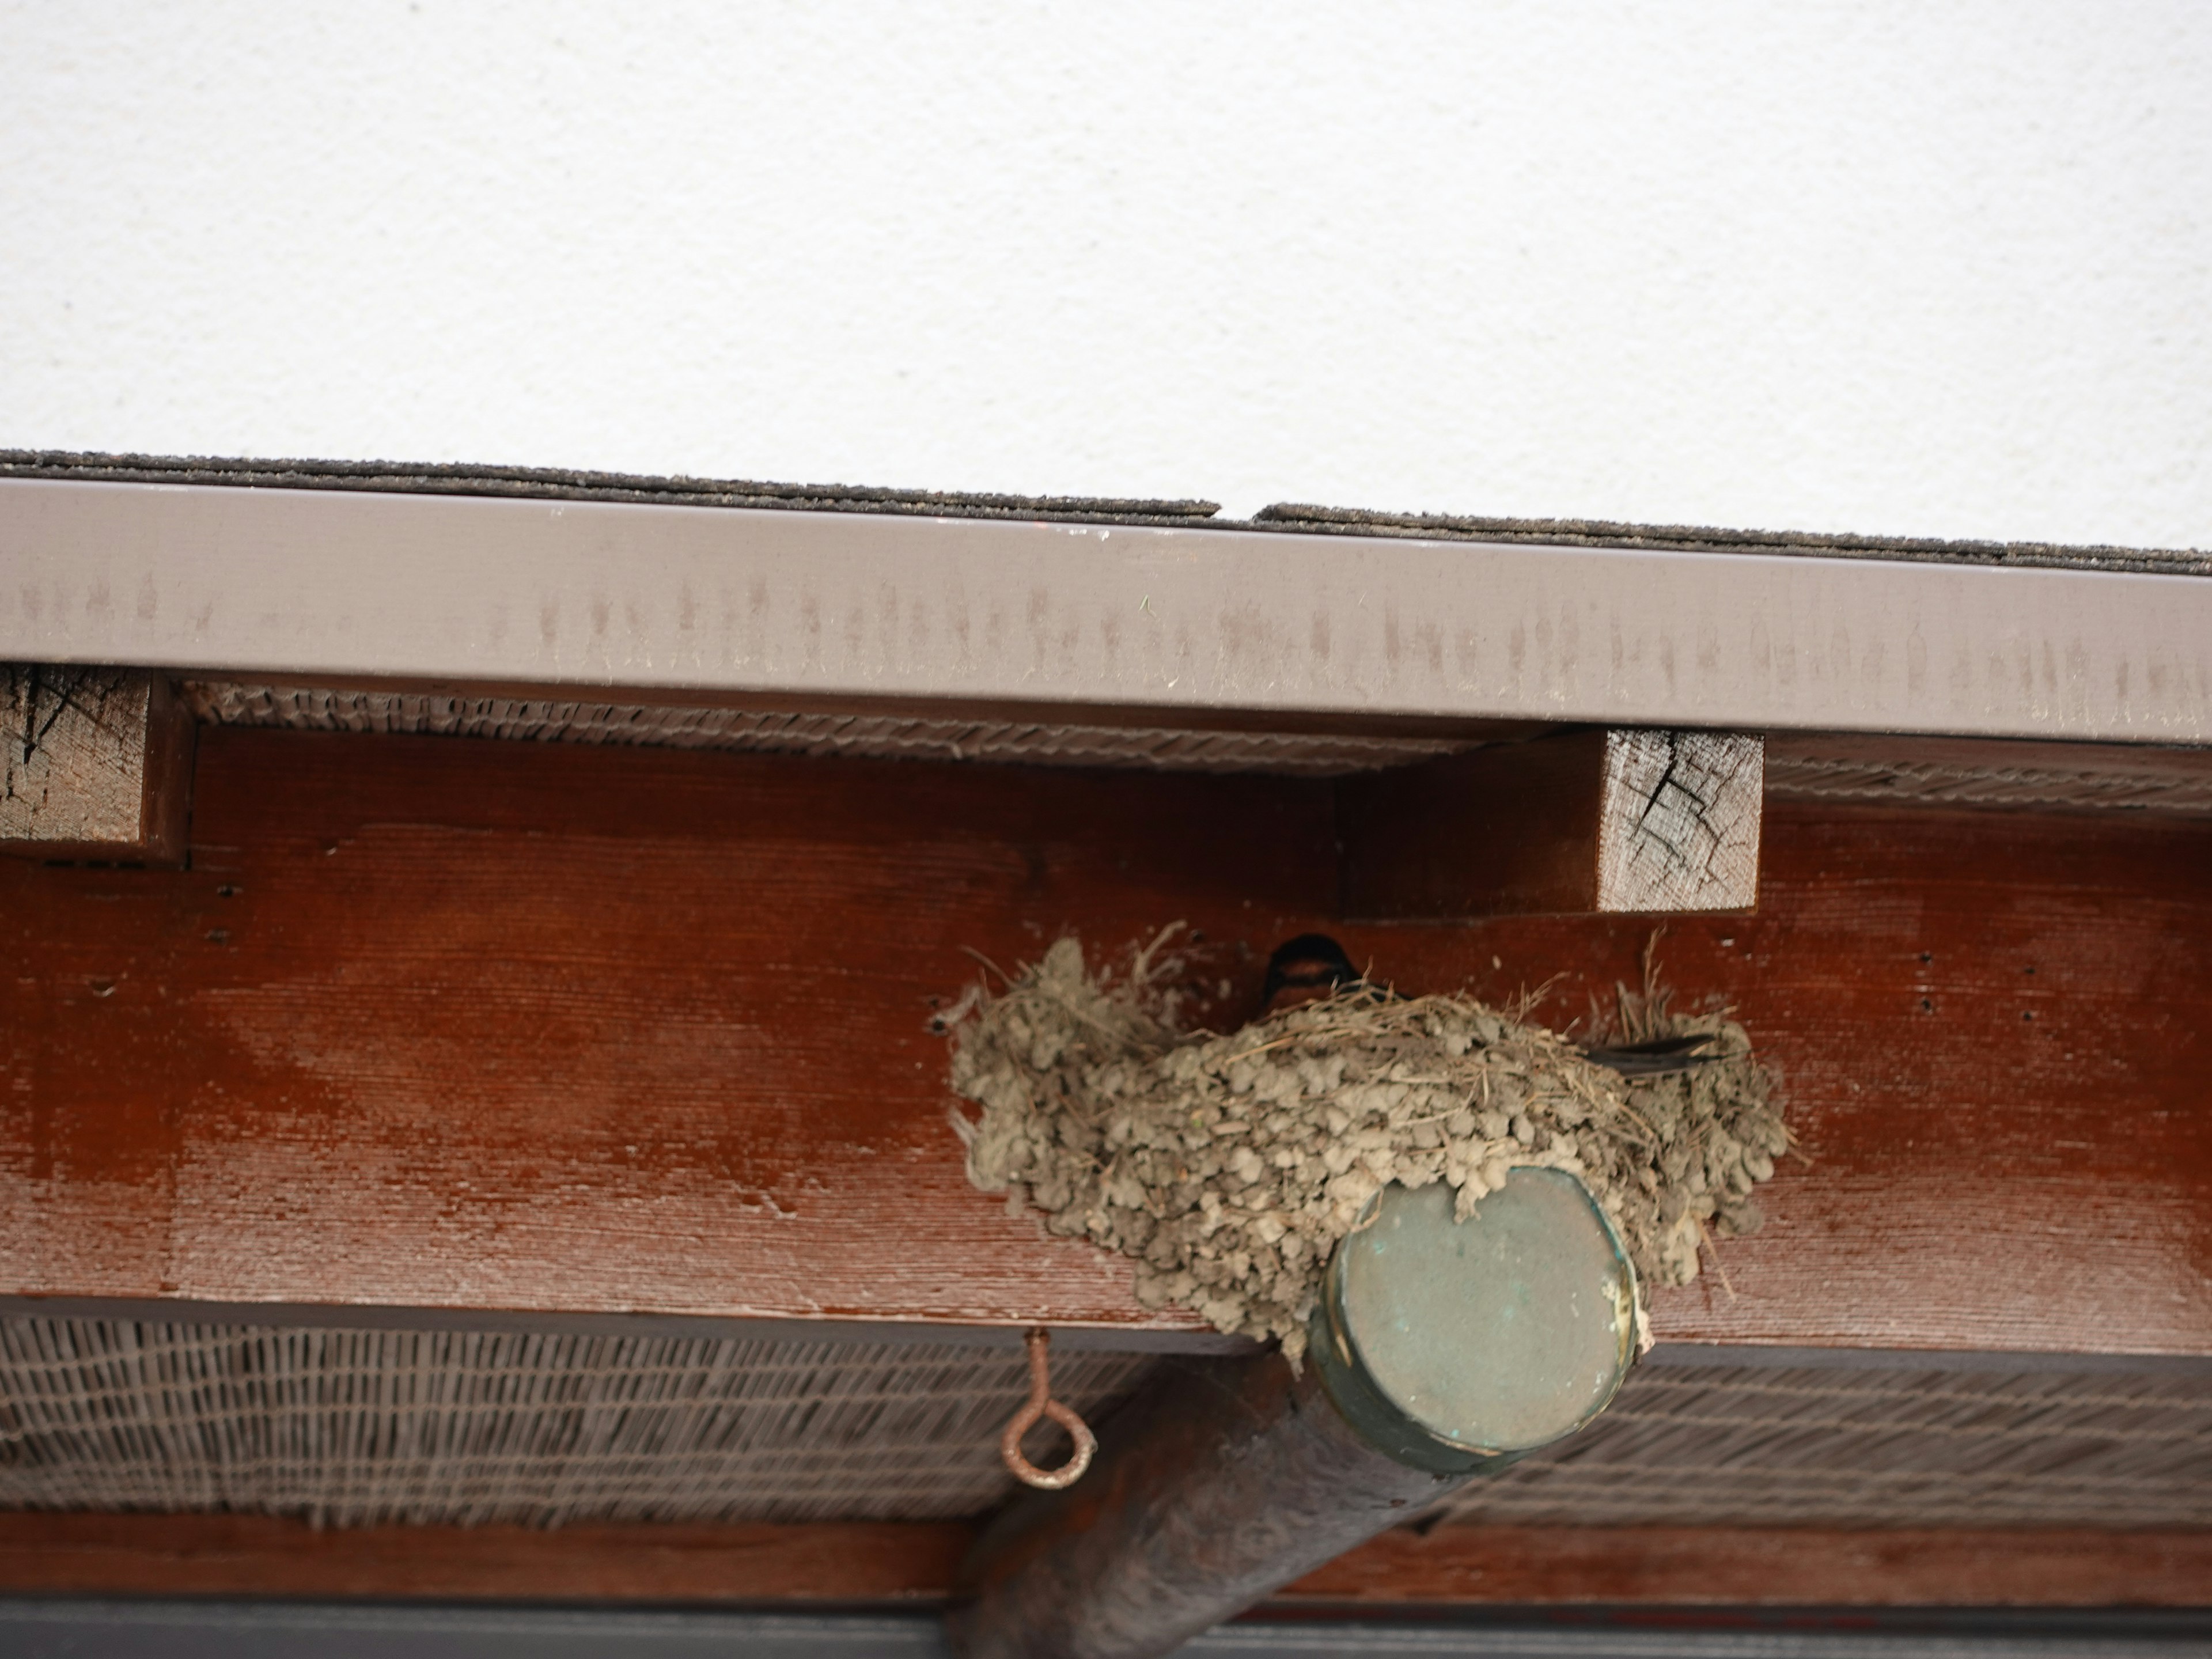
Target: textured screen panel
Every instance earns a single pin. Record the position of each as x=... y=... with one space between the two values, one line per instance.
x=2110 y=776
x=894 y=737
x=1928 y=783
x=359 y=1427
x=352 y=1428
x=1741 y=1446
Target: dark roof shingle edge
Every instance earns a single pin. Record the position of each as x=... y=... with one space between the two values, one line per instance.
x=564 y=484
x=1594 y=533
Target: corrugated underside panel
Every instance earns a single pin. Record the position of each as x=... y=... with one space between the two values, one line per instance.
x=1729 y=1445
x=895 y=737
x=2112 y=782
x=361 y=1427
x=354 y=1428
x=1908 y=783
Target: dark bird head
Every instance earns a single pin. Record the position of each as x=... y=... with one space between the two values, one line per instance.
x=1305 y=969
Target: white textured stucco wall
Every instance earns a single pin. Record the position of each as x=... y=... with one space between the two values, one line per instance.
x=1890 y=267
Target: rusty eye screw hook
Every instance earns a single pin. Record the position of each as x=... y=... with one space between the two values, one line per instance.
x=1042 y=1404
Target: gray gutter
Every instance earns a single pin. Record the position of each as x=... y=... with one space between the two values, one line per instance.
x=752 y=602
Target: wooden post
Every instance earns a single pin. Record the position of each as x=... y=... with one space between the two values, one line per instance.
x=95 y=763
x=1441 y=1350
x=1620 y=822
x=1228 y=1480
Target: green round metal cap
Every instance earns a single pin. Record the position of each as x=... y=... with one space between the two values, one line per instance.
x=1498 y=1334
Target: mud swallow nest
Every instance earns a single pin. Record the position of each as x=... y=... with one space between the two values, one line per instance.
x=1229 y=1166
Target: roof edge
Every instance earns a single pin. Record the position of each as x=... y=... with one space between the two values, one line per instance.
x=1692 y=539
x=563 y=484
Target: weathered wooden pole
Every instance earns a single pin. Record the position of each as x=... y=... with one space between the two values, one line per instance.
x=1440 y=1349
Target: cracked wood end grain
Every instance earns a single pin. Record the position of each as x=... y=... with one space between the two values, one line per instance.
x=95 y=763
x=1678 y=822
x=1584 y=823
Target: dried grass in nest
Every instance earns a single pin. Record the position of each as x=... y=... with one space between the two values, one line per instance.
x=1229 y=1166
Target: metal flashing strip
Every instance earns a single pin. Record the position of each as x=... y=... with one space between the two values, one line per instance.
x=104 y=1629
x=1193 y=1339
x=569 y=483
x=267 y=584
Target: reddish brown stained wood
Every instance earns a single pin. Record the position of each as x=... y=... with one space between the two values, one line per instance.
x=478 y=1024
x=89 y=1554
x=1507 y=829
x=1770 y=1566
x=259 y=1555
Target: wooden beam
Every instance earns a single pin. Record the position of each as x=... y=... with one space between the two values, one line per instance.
x=1222 y=1481
x=1770 y=1566
x=455 y=1025
x=95 y=763
x=245 y=1555
x=100 y=1555
x=1622 y=822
